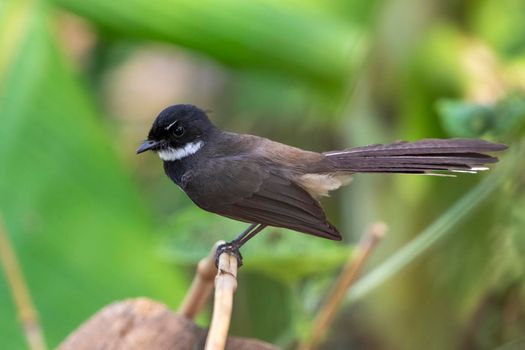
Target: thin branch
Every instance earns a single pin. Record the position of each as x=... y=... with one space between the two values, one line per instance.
x=201 y=286
x=348 y=275
x=225 y=286
x=24 y=305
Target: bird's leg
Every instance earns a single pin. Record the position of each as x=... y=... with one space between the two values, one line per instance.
x=234 y=246
x=247 y=237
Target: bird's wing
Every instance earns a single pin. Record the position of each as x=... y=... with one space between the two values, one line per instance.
x=250 y=191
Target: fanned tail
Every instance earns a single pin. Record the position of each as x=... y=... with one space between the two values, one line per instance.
x=429 y=156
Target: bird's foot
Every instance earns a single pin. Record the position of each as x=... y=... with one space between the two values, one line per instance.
x=230 y=248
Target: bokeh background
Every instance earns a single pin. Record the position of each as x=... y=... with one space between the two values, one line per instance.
x=91 y=222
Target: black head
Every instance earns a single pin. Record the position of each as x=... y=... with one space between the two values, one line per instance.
x=176 y=128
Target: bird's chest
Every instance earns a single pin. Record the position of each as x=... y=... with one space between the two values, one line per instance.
x=197 y=182
x=179 y=172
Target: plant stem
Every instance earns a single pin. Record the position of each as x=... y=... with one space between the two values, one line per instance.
x=225 y=286
x=201 y=286
x=23 y=303
x=437 y=230
x=348 y=275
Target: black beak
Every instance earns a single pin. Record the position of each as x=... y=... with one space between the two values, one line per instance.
x=147 y=145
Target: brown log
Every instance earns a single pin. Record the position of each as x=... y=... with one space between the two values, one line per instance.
x=142 y=323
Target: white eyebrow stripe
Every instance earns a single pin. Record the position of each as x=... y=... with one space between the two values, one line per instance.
x=172 y=154
x=169 y=126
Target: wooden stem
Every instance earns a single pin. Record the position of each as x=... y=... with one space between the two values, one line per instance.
x=201 y=286
x=225 y=286
x=348 y=275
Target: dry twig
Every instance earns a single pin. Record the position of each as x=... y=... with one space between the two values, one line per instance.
x=201 y=286
x=347 y=277
x=24 y=305
x=225 y=286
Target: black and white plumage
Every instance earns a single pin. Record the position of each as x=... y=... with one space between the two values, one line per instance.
x=259 y=181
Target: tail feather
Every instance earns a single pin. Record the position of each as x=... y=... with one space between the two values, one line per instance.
x=425 y=156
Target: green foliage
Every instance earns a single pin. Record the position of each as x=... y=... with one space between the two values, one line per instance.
x=267 y=254
x=71 y=208
x=253 y=34
x=300 y=72
x=464 y=119
x=437 y=231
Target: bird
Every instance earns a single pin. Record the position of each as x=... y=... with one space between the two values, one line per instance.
x=266 y=183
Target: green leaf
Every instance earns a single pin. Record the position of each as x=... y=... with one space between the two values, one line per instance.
x=244 y=34
x=281 y=254
x=82 y=235
x=465 y=119
x=469 y=119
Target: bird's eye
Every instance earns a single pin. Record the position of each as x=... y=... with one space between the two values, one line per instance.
x=178 y=130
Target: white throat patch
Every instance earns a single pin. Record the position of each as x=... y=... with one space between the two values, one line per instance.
x=172 y=154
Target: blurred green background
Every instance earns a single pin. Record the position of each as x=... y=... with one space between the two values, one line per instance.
x=82 y=80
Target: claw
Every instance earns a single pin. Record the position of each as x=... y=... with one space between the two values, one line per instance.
x=231 y=248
